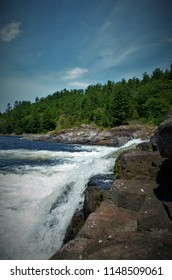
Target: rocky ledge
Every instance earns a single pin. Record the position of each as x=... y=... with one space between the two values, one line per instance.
x=90 y=135
x=132 y=219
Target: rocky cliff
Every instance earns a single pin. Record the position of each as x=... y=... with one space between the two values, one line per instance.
x=132 y=219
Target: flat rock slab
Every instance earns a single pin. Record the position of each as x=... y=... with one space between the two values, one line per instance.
x=134 y=247
x=123 y=246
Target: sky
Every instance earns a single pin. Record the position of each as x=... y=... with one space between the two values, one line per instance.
x=49 y=45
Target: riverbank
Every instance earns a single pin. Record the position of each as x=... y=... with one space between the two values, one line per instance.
x=90 y=135
x=133 y=219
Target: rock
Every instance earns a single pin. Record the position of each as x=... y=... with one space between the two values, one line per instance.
x=108 y=220
x=134 y=130
x=93 y=198
x=96 y=192
x=164 y=180
x=164 y=190
x=131 y=246
x=75 y=225
x=134 y=246
x=118 y=141
x=100 y=227
x=102 y=181
x=111 y=233
x=131 y=194
x=164 y=138
x=147 y=146
x=134 y=220
x=153 y=216
x=168 y=208
x=138 y=164
x=91 y=135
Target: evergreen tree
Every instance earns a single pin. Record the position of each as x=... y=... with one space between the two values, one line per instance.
x=121 y=104
x=105 y=105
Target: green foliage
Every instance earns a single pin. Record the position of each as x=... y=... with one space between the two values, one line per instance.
x=117 y=168
x=121 y=104
x=147 y=100
x=99 y=198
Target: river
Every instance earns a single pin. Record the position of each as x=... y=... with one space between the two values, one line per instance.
x=41 y=186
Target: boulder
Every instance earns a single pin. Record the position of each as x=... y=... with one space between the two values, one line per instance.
x=131 y=194
x=133 y=246
x=147 y=146
x=136 y=164
x=164 y=138
x=153 y=216
x=96 y=192
x=128 y=246
x=108 y=220
x=111 y=233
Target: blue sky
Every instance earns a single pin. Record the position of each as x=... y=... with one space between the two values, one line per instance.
x=50 y=45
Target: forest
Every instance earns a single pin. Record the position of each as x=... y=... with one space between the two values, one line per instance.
x=146 y=100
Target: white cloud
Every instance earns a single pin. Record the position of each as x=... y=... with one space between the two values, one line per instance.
x=79 y=84
x=111 y=58
x=125 y=54
x=10 y=31
x=74 y=73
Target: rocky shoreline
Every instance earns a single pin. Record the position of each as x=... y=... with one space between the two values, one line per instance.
x=90 y=135
x=132 y=217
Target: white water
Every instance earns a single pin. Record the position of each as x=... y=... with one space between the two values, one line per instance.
x=37 y=202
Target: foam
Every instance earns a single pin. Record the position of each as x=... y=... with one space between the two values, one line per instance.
x=38 y=202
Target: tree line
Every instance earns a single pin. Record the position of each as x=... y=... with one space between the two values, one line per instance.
x=145 y=100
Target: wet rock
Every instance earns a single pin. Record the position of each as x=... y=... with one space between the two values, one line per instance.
x=96 y=192
x=147 y=146
x=75 y=225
